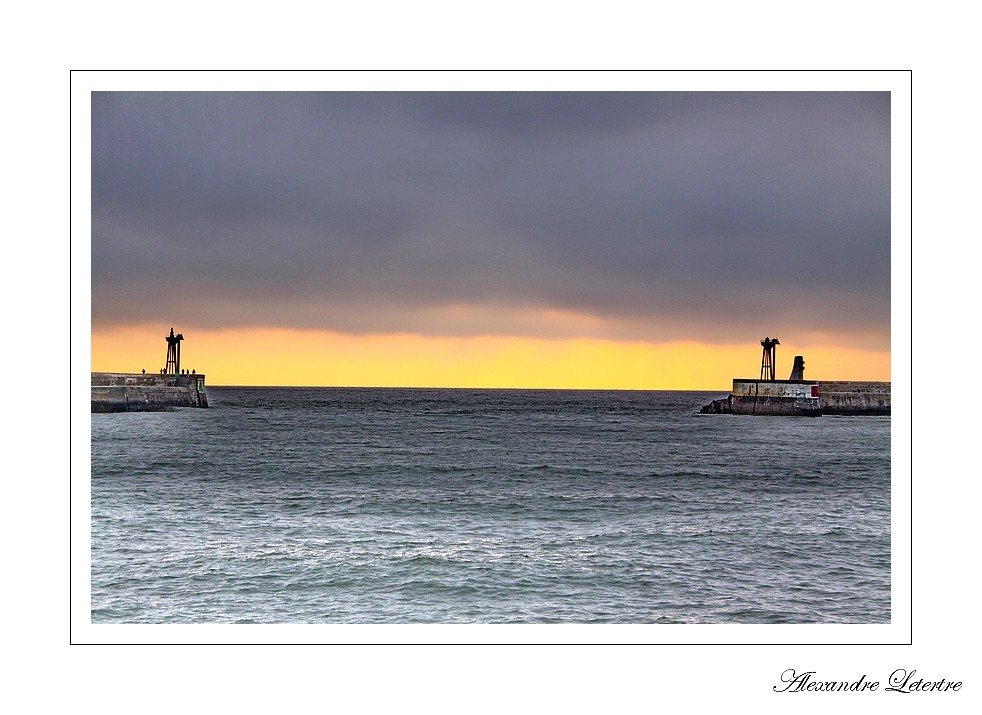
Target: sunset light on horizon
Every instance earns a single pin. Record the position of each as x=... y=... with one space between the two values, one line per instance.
x=278 y=357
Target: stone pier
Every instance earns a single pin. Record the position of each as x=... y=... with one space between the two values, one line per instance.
x=793 y=397
x=124 y=392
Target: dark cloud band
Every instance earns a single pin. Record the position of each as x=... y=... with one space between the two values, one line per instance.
x=699 y=213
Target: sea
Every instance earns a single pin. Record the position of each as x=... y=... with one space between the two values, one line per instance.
x=461 y=506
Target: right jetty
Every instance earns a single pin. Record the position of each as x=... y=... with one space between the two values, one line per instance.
x=797 y=396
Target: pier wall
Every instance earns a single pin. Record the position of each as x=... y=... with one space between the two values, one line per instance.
x=794 y=397
x=124 y=392
x=854 y=398
x=775 y=397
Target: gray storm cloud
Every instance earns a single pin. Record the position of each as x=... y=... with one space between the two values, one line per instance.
x=665 y=215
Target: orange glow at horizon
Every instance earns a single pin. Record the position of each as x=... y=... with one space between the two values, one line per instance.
x=280 y=357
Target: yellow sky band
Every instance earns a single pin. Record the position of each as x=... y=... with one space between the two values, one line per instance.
x=320 y=358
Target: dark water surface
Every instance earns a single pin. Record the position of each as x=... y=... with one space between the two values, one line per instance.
x=292 y=505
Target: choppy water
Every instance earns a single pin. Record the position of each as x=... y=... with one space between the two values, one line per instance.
x=486 y=506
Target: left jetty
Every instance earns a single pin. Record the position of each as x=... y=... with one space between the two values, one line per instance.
x=142 y=392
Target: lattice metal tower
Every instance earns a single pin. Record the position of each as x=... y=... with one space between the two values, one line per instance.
x=767 y=361
x=173 y=366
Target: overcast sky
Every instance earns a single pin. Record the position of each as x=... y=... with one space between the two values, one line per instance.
x=643 y=216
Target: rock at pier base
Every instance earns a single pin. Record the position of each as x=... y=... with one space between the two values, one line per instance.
x=722 y=406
